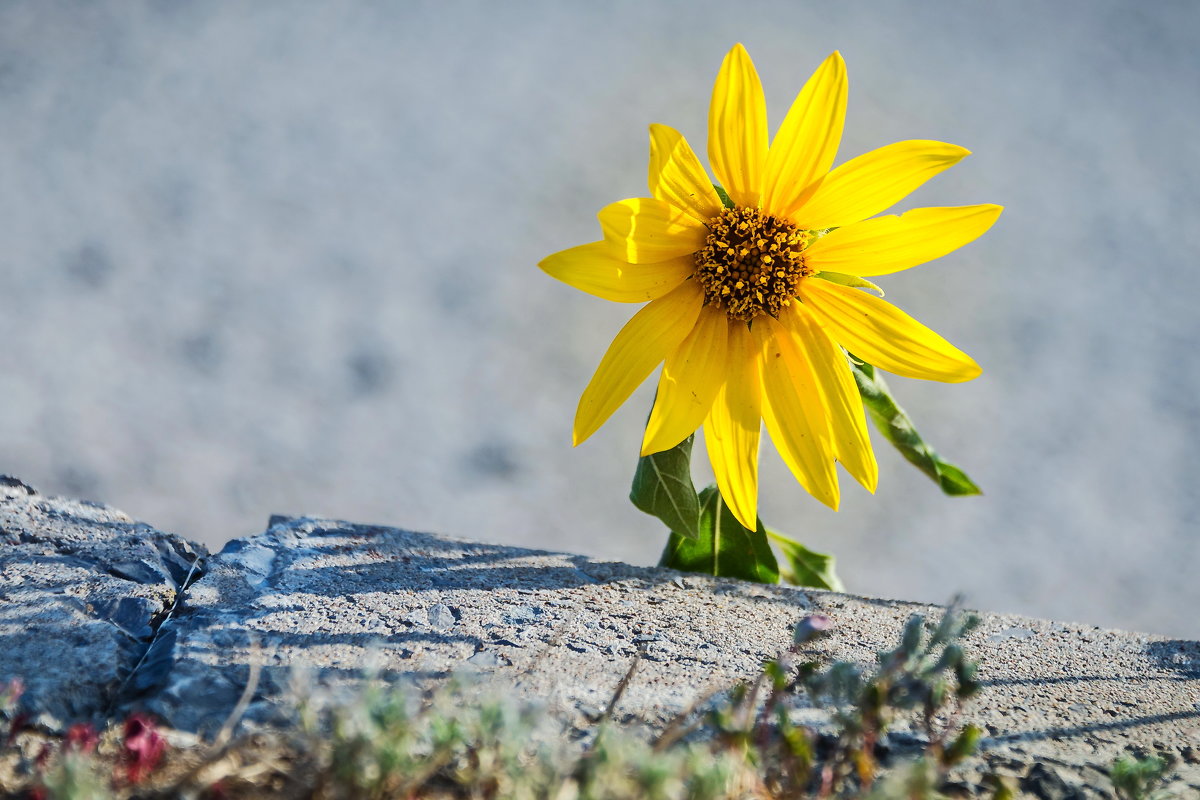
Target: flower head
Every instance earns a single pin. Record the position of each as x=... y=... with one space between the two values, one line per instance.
x=143 y=747
x=754 y=285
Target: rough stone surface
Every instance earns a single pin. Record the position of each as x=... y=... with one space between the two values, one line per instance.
x=333 y=597
x=82 y=589
x=1060 y=702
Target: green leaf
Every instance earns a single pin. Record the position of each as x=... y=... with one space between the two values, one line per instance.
x=724 y=195
x=806 y=568
x=662 y=487
x=898 y=429
x=723 y=548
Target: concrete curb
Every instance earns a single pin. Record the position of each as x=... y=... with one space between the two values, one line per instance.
x=333 y=597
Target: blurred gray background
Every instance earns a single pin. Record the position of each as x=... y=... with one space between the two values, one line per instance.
x=280 y=257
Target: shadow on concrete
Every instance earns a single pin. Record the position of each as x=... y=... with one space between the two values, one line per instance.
x=1177 y=655
x=1046 y=681
x=412 y=561
x=834 y=600
x=1081 y=730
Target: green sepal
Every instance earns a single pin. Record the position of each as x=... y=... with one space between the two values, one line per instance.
x=724 y=548
x=898 y=429
x=804 y=567
x=724 y=195
x=662 y=487
x=853 y=281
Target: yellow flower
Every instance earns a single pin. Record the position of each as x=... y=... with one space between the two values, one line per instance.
x=752 y=300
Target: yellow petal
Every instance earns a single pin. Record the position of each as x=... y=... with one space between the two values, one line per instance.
x=677 y=176
x=851 y=443
x=648 y=338
x=806 y=143
x=737 y=128
x=853 y=281
x=874 y=182
x=795 y=413
x=644 y=230
x=889 y=244
x=690 y=379
x=592 y=268
x=731 y=432
x=883 y=335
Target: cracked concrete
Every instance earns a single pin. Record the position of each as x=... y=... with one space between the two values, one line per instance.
x=82 y=589
x=1060 y=701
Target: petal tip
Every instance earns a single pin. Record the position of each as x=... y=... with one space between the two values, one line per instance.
x=990 y=212
x=970 y=371
x=750 y=525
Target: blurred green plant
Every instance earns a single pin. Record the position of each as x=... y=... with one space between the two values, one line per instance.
x=1139 y=778
x=462 y=741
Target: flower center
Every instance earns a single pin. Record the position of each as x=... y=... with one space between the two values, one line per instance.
x=751 y=262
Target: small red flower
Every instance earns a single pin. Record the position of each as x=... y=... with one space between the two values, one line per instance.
x=43 y=757
x=143 y=747
x=81 y=737
x=10 y=694
x=20 y=722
